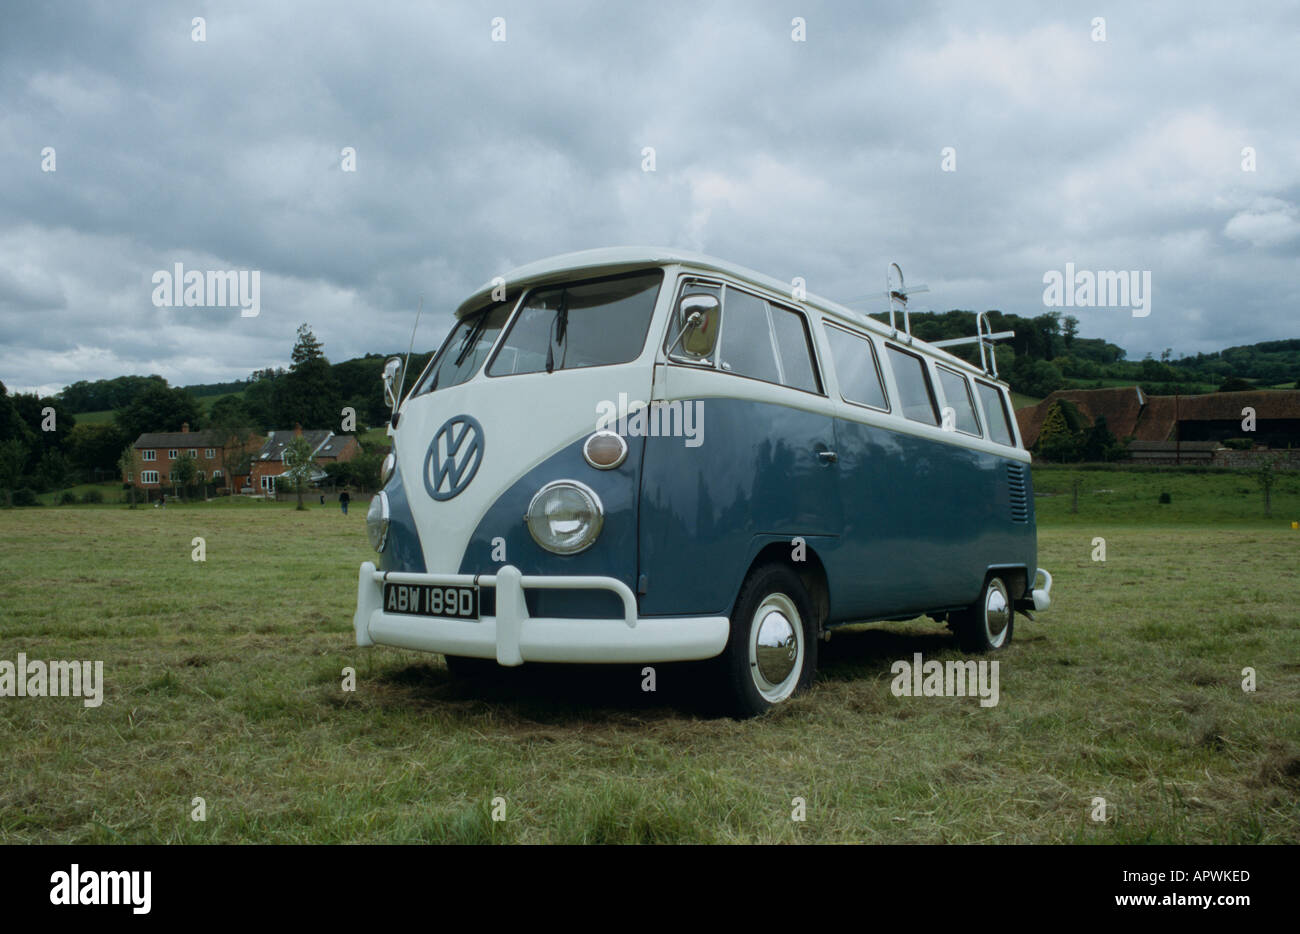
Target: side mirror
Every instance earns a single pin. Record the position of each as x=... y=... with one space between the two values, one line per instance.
x=699 y=313
x=392 y=369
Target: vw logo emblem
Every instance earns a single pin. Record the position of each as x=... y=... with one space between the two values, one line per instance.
x=454 y=457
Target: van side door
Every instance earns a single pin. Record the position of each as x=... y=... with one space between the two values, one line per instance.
x=762 y=467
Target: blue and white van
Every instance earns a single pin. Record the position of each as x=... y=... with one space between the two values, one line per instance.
x=637 y=455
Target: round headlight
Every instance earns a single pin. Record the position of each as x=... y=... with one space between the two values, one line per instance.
x=377 y=521
x=565 y=517
x=605 y=450
x=386 y=468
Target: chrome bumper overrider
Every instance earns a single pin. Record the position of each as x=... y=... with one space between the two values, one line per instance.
x=513 y=637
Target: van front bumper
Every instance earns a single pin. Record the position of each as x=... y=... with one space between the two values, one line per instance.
x=513 y=637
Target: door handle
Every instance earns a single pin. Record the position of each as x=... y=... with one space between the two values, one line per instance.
x=827 y=457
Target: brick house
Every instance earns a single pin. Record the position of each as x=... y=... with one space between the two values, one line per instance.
x=327 y=448
x=157 y=454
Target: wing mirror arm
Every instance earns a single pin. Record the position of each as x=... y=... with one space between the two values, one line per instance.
x=692 y=321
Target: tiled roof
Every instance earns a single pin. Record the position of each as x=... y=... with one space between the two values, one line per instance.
x=178 y=439
x=277 y=441
x=1131 y=412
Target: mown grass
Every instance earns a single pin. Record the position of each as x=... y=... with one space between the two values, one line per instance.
x=224 y=681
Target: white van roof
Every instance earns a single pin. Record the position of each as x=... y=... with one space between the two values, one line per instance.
x=617 y=259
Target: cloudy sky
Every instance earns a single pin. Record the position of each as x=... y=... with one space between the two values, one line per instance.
x=821 y=158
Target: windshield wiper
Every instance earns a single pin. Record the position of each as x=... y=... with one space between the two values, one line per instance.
x=561 y=330
x=472 y=336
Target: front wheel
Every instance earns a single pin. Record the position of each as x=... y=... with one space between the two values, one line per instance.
x=772 y=650
x=988 y=625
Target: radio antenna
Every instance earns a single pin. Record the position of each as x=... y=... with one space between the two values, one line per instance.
x=401 y=385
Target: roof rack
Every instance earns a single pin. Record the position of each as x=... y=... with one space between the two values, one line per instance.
x=897 y=293
x=986 y=337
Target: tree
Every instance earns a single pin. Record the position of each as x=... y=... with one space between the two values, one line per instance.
x=310 y=391
x=184 y=472
x=129 y=463
x=1036 y=378
x=158 y=408
x=1265 y=471
x=1058 y=440
x=233 y=426
x=1099 y=444
x=12 y=425
x=48 y=421
x=13 y=458
x=54 y=470
x=1071 y=330
x=307 y=348
x=94 y=448
x=1235 y=384
x=299 y=466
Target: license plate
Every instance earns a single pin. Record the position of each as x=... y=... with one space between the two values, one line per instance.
x=431 y=600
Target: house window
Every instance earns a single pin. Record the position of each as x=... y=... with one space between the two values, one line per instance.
x=171 y=454
x=171 y=476
x=216 y=474
x=198 y=476
x=149 y=455
x=194 y=452
x=149 y=476
x=268 y=483
x=209 y=453
x=130 y=477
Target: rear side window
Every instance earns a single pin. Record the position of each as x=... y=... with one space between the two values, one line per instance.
x=956 y=392
x=915 y=396
x=995 y=410
x=857 y=368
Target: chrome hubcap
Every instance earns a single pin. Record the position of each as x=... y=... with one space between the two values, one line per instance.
x=997 y=613
x=776 y=647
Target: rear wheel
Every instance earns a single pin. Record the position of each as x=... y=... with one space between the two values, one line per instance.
x=772 y=651
x=988 y=625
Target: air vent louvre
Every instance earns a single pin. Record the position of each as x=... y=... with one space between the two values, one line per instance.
x=1018 y=495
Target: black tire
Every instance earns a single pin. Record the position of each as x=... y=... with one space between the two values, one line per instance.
x=770 y=596
x=469 y=669
x=989 y=624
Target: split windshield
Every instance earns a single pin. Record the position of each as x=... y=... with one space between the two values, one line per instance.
x=466 y=348
x=593 y=323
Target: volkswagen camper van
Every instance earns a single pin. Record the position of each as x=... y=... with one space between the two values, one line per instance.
x=637 y=455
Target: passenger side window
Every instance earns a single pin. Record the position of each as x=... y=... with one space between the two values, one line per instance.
x=914 y=393
x=798 y=364
x=956 y=392
x=768 y=342
x=995 y=410
x=747 y=348
x=857 y=368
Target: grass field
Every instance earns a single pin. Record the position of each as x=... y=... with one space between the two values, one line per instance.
x=224 y=682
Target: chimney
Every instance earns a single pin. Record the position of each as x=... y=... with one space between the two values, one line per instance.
x=297 y=429
x=185 y=427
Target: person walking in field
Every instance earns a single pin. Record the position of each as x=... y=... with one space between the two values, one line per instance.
x=344 y=499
